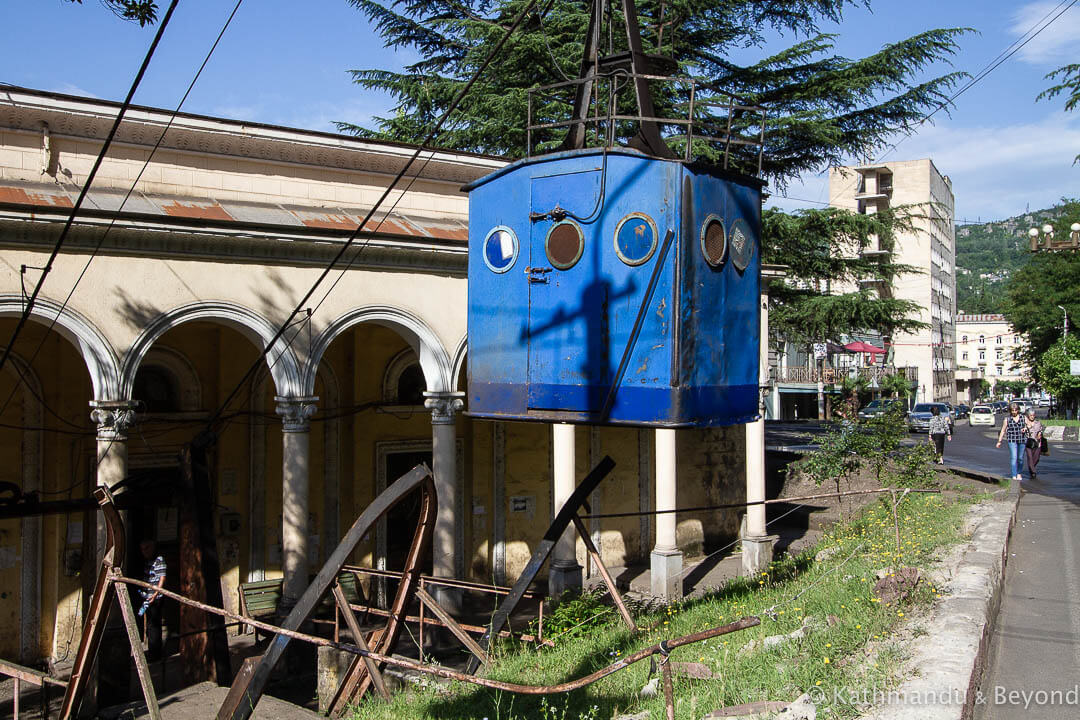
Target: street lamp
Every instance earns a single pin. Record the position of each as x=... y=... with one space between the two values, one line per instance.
x=1043 y=238
x=1065 y=325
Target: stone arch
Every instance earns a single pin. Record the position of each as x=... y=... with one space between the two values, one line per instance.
x=392 y=375
x=101 y=361
x=284 y=367
x=460 y=357
x=178 y=365
x=434 y=360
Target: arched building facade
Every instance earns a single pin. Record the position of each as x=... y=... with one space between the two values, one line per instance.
x=178 y=273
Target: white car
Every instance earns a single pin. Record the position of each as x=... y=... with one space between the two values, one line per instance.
x=981 y=415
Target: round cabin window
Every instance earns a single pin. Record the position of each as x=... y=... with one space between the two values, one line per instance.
x=635 y=238
x=713 y=241
x=742 y=247
x=500 y=249
x=564 y=244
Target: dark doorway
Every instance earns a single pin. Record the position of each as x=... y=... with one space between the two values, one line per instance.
x=402 y=519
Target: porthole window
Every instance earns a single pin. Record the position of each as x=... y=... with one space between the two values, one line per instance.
x=500 y=249
x=742 y=247
x=635 y=238
x=564 y=244
x=713 y=241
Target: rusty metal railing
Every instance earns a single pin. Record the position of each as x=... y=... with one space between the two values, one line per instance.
x=424 y=617
x=32 y=677
x=718 y=130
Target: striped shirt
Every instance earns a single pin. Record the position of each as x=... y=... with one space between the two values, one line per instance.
x=939 y=425
x=155 y=570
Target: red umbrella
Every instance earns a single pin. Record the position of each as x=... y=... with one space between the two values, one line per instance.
x=864 y=347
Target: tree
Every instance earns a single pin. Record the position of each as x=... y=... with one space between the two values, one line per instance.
x=824 y=251
x=1054 y=372
x=143 y=12
x=1068 y=78
x=822 y=108
x=1035 y=291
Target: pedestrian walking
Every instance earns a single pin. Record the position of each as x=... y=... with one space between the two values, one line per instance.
x=1034 y=442
x=1014 y=432
x=150 y=611
x=939 y=430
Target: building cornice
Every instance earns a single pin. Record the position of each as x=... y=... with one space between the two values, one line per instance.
x=90 y=119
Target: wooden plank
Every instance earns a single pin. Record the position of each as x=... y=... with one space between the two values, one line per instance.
x=28 y=675
x=474 y=648
x=358 y=638
x=608 y=580
x=141 y=669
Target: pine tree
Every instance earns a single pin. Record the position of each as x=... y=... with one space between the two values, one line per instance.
x=822 y=108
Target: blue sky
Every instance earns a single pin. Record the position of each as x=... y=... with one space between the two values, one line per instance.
x=285 y=62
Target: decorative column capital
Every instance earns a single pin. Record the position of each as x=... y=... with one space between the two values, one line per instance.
x=444 y=406
x=113 y=418
x=296 y=412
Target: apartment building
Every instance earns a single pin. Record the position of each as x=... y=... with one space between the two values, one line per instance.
x=987 y=349
x=930 y=246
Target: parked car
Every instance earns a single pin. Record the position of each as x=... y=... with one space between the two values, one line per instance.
x=962 y=411
x=1044 y=402
x=982 y=415
x=918 y=420
x=876 y=408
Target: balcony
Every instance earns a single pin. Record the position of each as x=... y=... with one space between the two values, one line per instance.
x=829 y=376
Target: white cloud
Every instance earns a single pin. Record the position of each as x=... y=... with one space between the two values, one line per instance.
x=1054 y=46
x=69 y=89
x=996 y=172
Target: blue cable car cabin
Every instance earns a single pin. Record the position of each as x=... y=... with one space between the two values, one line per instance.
x=609 y=286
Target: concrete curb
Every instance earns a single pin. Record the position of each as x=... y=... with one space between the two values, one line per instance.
x=949 y=662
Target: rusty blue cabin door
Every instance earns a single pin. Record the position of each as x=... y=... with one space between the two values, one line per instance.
x=568 y=333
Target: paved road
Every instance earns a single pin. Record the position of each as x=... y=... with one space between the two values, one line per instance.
x=1035 y=644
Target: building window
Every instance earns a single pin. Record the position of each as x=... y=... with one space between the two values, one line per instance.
x=999 y=356
x=982 y=339
x=965 y=356
x=982 y=354
x=1000 y=370
x=156 y=389
x=999 y=339
x=963 y=338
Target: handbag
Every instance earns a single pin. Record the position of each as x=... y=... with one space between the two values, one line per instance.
x=1044 y=446
x=1032 y=443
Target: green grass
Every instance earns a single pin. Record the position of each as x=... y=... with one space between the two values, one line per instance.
x=859 y=652
x=1066 y=423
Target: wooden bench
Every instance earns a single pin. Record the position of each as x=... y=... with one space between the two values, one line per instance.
x=259 y=599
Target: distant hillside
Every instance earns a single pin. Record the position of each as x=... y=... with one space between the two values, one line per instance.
x=987 y=254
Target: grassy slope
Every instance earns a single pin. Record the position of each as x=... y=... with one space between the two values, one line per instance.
x=857 y=652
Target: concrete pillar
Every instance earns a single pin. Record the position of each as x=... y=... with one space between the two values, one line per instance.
x=449 y=525
x=666 y=559
x=295 y=465
x=565 y=573
x=113 y=419
x=757 y=545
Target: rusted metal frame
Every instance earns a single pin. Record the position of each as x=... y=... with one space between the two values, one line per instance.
x=98 y=611
x=729 y=506
x=477 y=629
x=28 y=675
x=583 y=86
x=895 y=517
x=439 y=671
x=141 y=668
x=342 y=604
x=357 y=680
x=543 y=550
x=247 y=689
x=727 y=135
x=590 y=547
x=669 y=688
x=690 y=116
x=452 y=625
x=435 y=580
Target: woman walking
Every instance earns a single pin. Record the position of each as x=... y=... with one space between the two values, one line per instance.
x=939 y=430
x=1014 y=431
x=1034 y=442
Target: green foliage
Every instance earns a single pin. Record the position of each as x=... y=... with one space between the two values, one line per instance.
x=1054 y=369
x=913 y=466
x=896 y=384
x=1068 y=78
x=1034 y=293
x=143 y=12
x=824 y=249
x=574 y=615
x=1014 y=388
x=823 y=108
